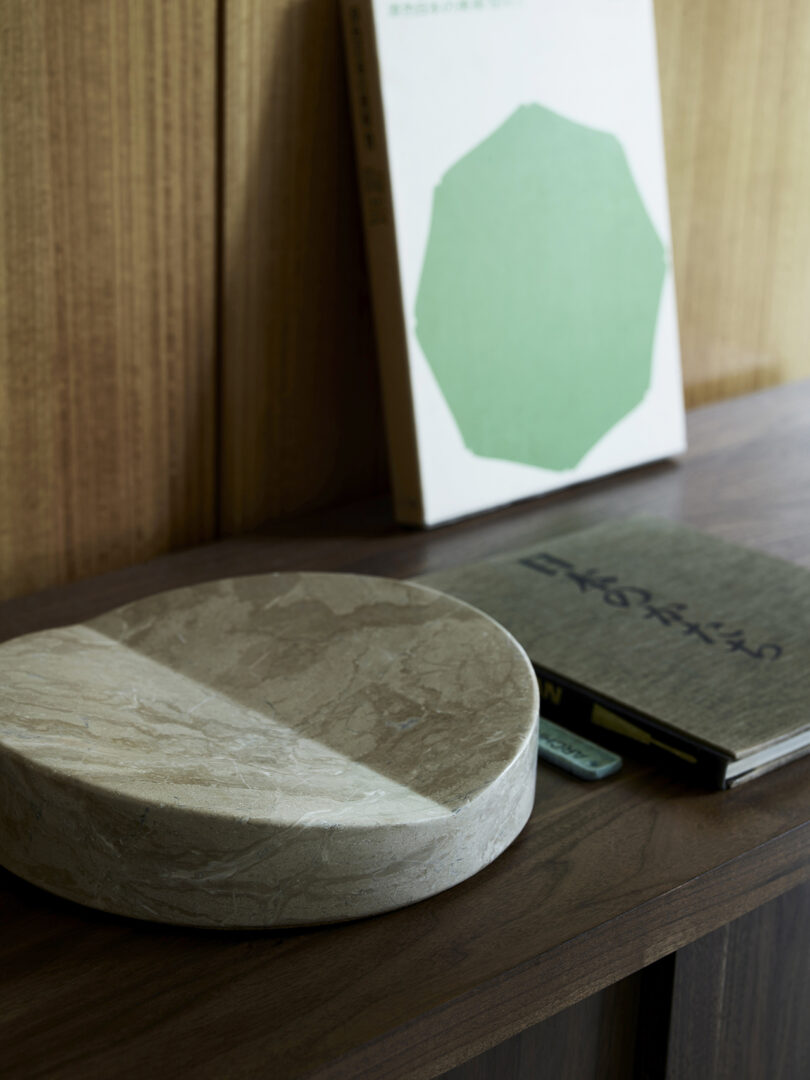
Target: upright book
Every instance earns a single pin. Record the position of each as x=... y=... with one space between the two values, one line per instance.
x=511 y=164
x=648 y=635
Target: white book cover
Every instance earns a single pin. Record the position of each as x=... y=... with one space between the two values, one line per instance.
x=512 y=165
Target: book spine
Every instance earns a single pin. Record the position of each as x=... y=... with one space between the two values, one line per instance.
x=381 y=251
x=625 y=731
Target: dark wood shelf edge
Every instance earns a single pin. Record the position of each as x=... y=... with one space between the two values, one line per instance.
x=476 y=1021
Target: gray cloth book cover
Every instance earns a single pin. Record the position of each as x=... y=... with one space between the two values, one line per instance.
x=683 y=634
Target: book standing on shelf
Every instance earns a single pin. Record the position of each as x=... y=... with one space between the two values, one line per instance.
x=511 y=170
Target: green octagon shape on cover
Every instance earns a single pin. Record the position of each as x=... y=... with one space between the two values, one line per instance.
x=540 y=288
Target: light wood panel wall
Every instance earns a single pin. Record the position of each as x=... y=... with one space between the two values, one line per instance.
x=186 y=344
x=735 y=78
x=301 y=419
x=107 y=283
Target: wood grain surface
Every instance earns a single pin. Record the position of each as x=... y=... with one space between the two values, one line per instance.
x=301 y=422
x=107 y=284
x=592 y=1040
x=185 y=332
x=616 y=1033
x=735 y=82
x=604 y=880
x=742 y=995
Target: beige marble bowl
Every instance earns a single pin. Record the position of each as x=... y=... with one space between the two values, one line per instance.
x=265 y=751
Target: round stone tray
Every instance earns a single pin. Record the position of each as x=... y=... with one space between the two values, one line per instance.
x=265 y=751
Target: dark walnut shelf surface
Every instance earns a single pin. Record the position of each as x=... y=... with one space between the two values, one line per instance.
x=605 y=880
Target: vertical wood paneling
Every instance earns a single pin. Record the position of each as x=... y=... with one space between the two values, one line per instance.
x=109 y=218
x=742 y=996
x=735 y=78
x=592 y=1040
x=107 y=284
x=301 y=423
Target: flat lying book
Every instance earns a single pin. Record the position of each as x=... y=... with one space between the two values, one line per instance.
x=511 y=169
x=648 y=635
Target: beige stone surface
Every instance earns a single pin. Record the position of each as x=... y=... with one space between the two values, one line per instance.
x=272 y=750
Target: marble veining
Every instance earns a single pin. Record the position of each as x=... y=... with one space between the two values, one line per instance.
x=272 y=750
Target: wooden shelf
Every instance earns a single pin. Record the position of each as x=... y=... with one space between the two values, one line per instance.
x=605 y=880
